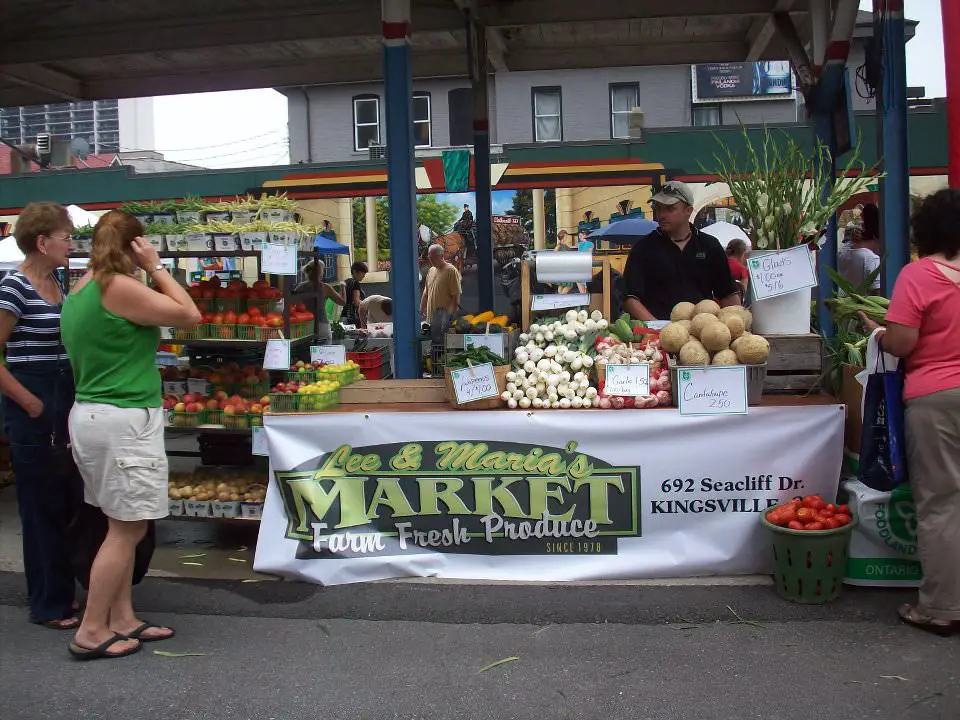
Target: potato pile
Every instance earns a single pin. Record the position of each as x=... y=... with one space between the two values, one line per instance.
x=210 y=485
x=706 y=334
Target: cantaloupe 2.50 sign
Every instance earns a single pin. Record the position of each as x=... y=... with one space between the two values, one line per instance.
x=460 y=497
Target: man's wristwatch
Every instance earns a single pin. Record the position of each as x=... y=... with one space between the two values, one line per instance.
x=156 y=268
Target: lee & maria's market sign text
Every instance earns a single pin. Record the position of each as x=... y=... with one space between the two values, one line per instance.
x=361 y=497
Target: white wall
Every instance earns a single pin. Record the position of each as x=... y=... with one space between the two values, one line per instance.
x=136 y=124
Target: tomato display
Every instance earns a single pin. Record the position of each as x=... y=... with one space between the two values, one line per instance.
x=810 y=513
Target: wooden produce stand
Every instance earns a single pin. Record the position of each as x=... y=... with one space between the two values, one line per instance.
x=602 y=301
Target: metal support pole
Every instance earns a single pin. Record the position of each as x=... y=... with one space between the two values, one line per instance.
x=477 y=48
x=401 y=187
x=892 y=112
x=950 y=12
x=827 y=257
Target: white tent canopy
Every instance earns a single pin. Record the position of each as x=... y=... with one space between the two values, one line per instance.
x=11 y=257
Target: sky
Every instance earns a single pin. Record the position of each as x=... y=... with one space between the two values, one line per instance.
x=248 y=128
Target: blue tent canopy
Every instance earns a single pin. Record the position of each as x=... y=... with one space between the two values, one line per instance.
x=326 y=246
x=624 y=231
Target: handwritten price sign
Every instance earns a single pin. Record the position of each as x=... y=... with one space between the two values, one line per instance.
x=780 y=273
x=474 y=383
x=627 y=380
x=493 y=342
x=713 y=390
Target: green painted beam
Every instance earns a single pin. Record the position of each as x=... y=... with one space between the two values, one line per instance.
x=91 y=187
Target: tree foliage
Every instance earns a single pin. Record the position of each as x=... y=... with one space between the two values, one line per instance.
x=523 y=208
x=436 y=215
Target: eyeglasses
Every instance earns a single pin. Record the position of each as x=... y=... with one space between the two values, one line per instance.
x=674 y=190
x=66 y=237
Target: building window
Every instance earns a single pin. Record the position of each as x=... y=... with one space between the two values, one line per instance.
x=460 y=111
x=422 y=135
x=366 y=121
x=624 y=97
x=547 y=115
x=706 y=115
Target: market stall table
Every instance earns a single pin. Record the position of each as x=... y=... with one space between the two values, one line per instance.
x=380 y=490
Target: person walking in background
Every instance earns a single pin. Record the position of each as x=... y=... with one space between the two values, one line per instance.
x=353 y=293
x=858 y=257
x=111 y=328
x=923 y=326
x=37 y=397
x=442 y=288
x=737 y=260
x=314 y=270
x=327 y=231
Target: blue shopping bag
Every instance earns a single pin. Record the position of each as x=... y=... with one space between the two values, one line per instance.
x=883 y=457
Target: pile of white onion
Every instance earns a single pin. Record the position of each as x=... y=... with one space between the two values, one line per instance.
x=551 y=371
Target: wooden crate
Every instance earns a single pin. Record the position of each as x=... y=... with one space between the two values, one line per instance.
x=795 y=364
x=373 y=392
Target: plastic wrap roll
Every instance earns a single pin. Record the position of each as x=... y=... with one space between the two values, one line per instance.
x=554 y=267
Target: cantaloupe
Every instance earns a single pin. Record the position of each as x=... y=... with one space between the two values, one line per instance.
x=700 y=321
x=673 y=337
x=706 y=306
x=682 y=311
x=734 y=323
x=753 y=350
x=693 y=353
x=725 y=357
x=715 y=337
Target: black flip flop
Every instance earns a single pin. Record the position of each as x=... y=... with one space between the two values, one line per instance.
x=913 y=617
x=137 y=633
x=100 y=651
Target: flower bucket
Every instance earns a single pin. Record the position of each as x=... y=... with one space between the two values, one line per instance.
x=783 y=315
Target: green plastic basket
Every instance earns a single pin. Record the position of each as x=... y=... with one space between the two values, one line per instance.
x=809 y=564
x=284 y=402
x=315 y=402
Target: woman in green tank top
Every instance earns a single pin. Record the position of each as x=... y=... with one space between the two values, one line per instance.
x=110 y=328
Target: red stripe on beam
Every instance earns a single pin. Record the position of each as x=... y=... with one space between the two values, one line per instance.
x=838 y=50
x=396 y=30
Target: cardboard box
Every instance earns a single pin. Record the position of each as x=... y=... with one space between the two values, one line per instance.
x=253 y=240
x=226 y=509
x=225 y=242
x=851 y=395
x=196 y=508
x=251 y=510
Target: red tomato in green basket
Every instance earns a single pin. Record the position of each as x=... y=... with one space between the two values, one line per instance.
x=795 y=525
x=806 y=515
x=814 y=526
x=831 y=523
x=814 y=502
x=843 y=510
x=842 y=519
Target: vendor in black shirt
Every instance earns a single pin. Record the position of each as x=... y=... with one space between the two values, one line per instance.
x=676 y=262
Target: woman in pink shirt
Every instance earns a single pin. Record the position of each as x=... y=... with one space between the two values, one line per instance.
x=923 y=326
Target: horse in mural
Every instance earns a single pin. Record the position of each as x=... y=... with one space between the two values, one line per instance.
x=454 y=251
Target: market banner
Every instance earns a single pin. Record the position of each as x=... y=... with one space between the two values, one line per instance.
x=546 y=496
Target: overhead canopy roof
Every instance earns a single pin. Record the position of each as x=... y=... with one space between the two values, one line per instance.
x=56 y=50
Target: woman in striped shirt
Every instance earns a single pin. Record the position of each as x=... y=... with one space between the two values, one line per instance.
x=37 y=388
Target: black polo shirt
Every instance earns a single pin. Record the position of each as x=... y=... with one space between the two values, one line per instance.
x=660 y=276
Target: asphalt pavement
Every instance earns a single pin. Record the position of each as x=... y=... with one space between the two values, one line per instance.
x=418 y=650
